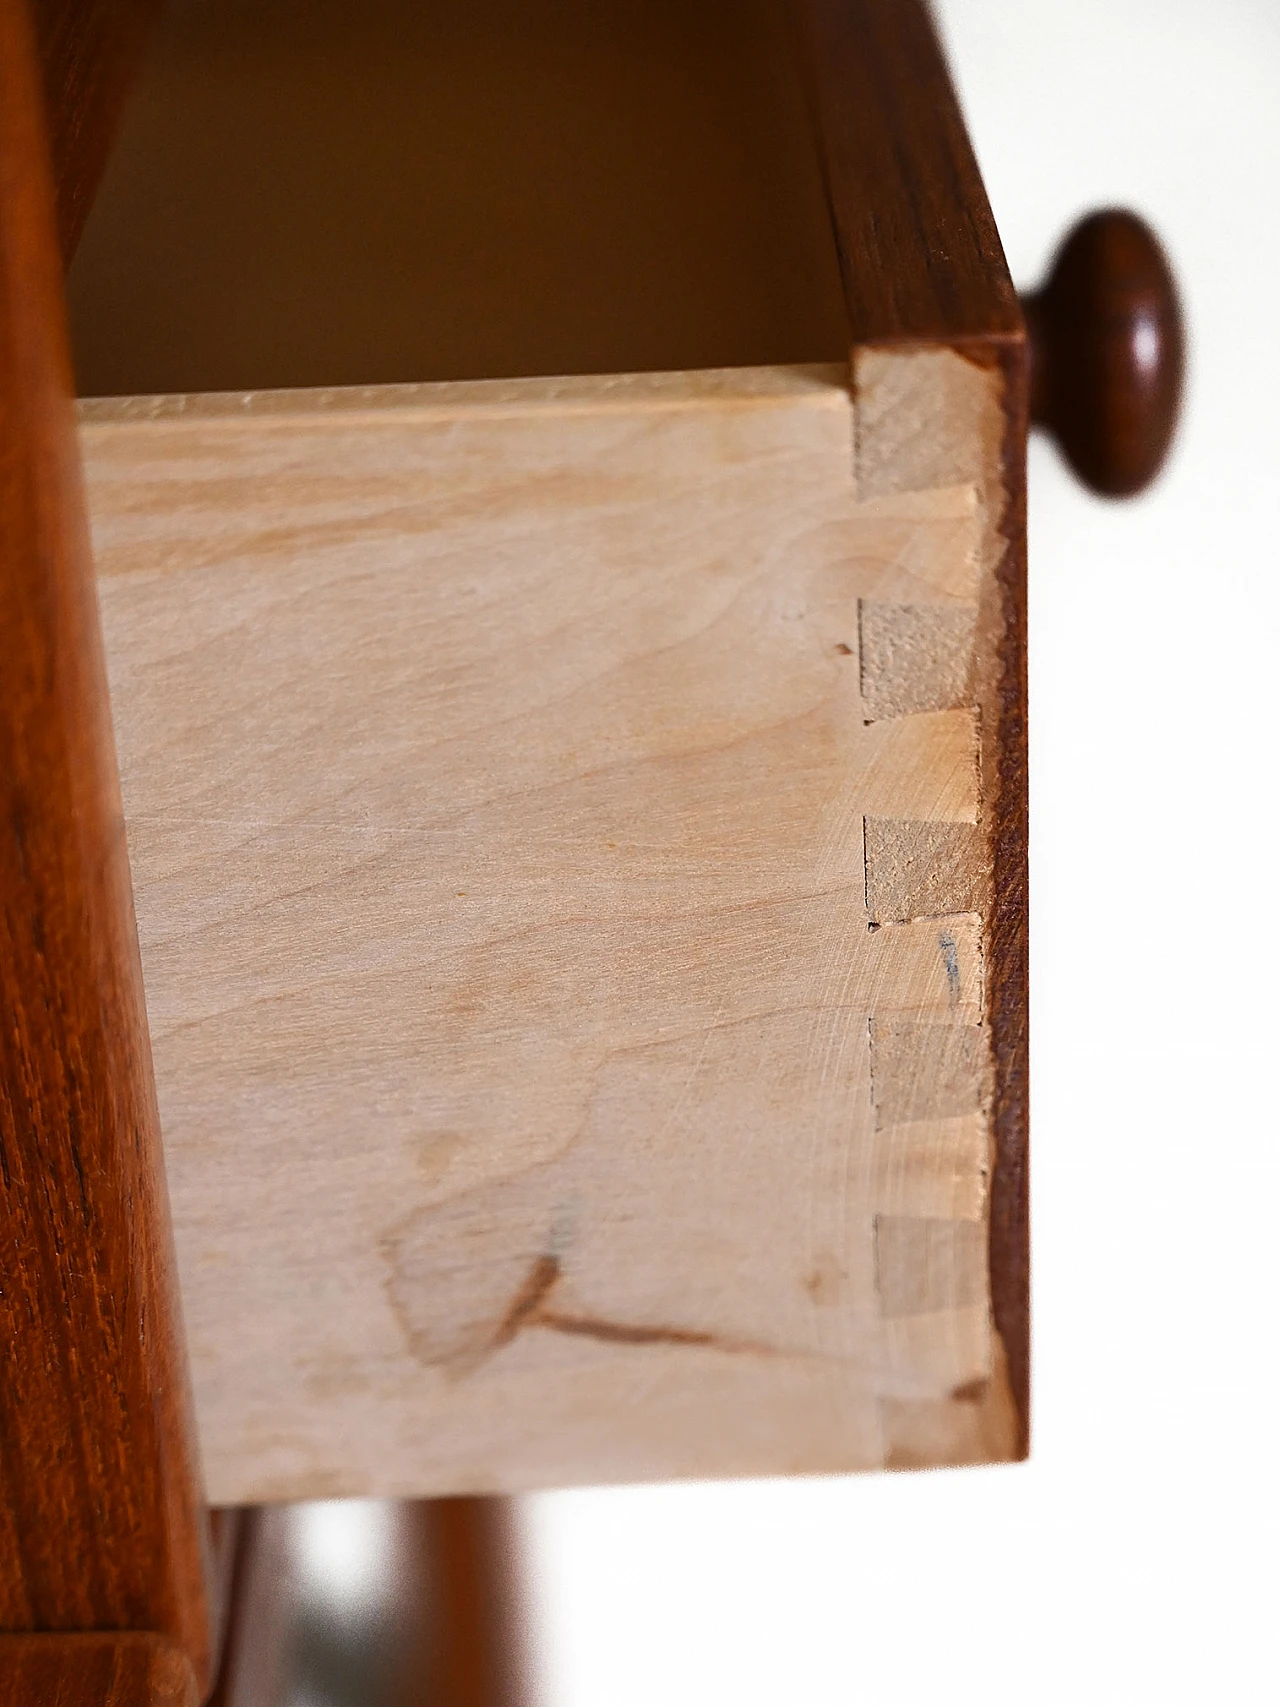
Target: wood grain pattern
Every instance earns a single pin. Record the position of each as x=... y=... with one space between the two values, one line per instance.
x=497 y=760
x=920 y=256
x=108 y=1669
x=89 y=51
x=100 y=1521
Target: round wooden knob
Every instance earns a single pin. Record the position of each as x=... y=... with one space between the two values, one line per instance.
x=1107 y=352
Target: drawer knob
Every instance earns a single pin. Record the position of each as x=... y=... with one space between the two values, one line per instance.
x=1107 y=352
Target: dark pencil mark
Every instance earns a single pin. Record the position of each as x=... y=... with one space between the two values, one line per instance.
x=951 y=960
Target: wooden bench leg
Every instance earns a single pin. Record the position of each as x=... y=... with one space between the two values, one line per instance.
x=460 y=1567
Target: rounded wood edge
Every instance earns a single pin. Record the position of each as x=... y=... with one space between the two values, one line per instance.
x=133 y=1668
x=99 y=1475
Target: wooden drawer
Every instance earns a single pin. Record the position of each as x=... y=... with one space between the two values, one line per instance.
x=559 y=525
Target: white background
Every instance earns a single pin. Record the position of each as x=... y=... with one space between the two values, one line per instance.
x=1133 y=1561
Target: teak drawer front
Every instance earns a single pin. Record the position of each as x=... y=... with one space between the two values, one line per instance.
x=575 y=827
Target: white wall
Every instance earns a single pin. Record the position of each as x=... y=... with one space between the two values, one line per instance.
x=1133 y=1561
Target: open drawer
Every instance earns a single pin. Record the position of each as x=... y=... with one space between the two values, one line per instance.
x=556 y=477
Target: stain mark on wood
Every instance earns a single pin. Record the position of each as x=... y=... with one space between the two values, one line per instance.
x=528 y=1301
x=633 y=1333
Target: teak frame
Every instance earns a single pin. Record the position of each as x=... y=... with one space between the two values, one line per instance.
x=102 y=1525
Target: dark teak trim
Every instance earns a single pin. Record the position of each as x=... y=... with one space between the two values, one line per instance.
x=920 y=257
x=102 y=1524
x=1008 y=963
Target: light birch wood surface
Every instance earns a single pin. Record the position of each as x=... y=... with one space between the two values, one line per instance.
x=557 y=820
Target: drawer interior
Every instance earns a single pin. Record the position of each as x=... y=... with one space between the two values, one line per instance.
x=335 y=192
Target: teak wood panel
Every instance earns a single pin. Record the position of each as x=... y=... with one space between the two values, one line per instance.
x=560 y=818
x=101 y=1520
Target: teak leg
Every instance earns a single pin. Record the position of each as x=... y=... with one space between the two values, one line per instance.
x=444 y=1625
x=460 y=1593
